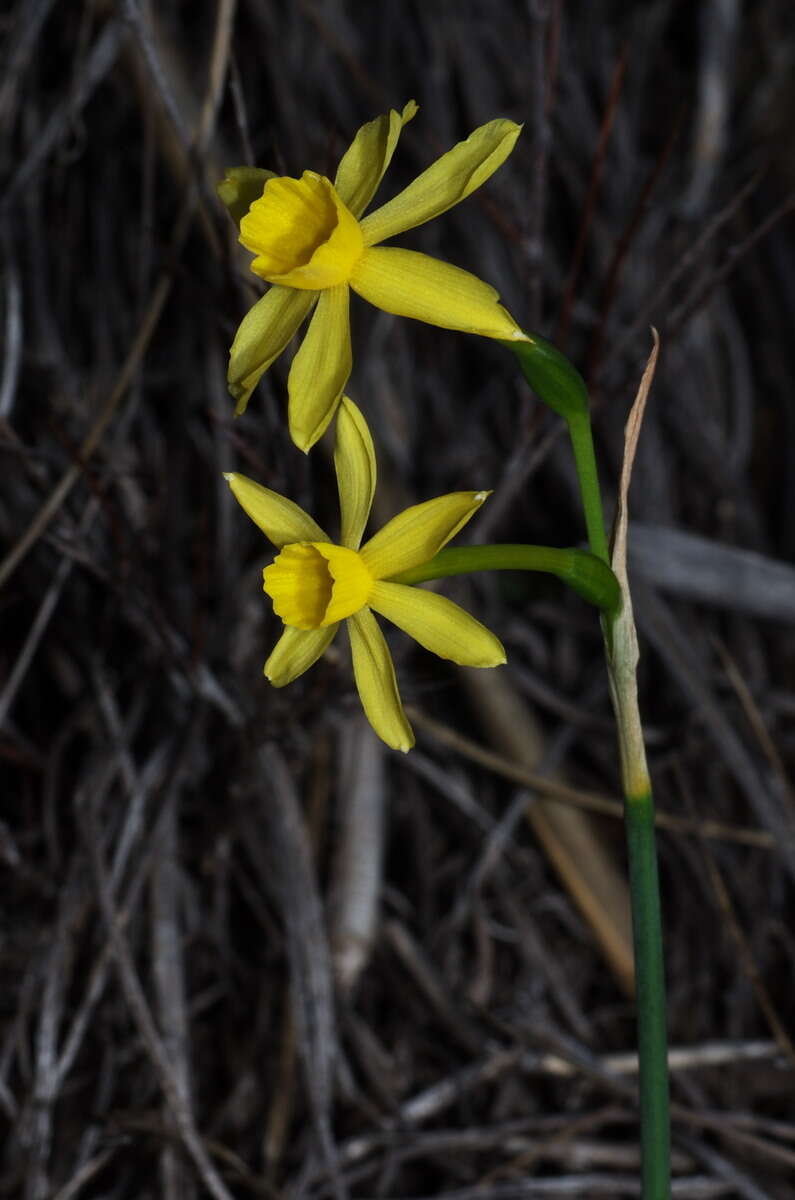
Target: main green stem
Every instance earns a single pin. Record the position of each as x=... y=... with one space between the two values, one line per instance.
x=650 y=997
x=642 y=858
x=559 y=385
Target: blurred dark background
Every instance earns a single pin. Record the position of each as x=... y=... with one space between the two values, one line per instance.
x=246 y=951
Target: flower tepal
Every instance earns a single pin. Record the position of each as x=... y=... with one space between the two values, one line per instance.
x=312 y=244
x=315 y=583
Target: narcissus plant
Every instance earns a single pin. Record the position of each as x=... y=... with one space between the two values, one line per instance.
x=315 y=583
x=312 y=244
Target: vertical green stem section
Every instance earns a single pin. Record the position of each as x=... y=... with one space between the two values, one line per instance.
x=579 y=424
x=558 y=384
x=650 y=996
x=621 y=648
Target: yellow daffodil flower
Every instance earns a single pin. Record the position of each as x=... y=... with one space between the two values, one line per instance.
x=315 y=584
x=312 y=244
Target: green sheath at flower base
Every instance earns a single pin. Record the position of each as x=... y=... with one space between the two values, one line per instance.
x=556 y=382
x=240 y=187
x=592 y=579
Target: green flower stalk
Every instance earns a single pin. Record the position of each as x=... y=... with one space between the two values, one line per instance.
x=584 y=573
x=561 y=387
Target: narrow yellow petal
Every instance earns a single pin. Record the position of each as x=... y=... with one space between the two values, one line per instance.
x=374 y=672
x=354 y=462
x=449 y=180
x=240 y=187
x=321 y=368
x=295 y=652
x=264 y=333
x=282 y=521
x=411 y=284
x=419 y=532
x=368 y=156
x=438 y=624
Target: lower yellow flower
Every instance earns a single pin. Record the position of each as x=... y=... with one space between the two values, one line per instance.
x=315 y=583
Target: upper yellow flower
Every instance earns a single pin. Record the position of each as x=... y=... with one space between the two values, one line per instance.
x=312 y=245
x=315 y=583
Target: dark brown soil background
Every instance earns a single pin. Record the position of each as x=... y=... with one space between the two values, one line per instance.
x=245 y=951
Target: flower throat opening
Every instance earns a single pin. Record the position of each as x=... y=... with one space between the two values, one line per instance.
x=316 y=584
x=302 y=233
